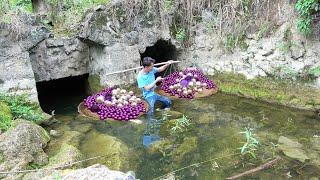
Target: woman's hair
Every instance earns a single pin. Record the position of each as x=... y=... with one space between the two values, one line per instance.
x=147 y=61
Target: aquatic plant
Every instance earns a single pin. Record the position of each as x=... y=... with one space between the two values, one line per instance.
x=180 y=124
x=251 y=144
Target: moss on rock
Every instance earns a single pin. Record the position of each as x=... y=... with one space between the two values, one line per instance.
x=270 y=90
x=66 y=155
x=94 y=84
x=188 y=145
x=115 y=152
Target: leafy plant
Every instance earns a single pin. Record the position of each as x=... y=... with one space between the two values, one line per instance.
x=180 y=125
x=21 y=107
x=306 y=9
x=168 y=4
x=251 y=144
x=5 y=116
x=315 y=71
x=181 y=35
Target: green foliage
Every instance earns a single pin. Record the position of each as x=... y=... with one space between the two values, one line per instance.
x=181 y=125
x=246 y=6
x=251 y=144
x=304 y=25
x=21 y=5
x=306 y=9
x=21 y=108
x=314 y=71
x=233 y=41
x=181 y=35
x=168 y=4
x=5 y=116
x=285 y=72
x=33 y=165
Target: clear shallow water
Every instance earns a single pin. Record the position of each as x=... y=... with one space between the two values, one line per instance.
x=213 y=135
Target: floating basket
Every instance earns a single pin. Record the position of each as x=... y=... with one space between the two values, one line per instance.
x=204 y=93
x=83 y=110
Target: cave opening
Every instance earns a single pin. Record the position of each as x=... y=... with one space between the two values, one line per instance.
x=62 y=95
x=162 y=51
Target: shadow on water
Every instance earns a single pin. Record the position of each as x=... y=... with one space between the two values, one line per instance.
x=151 y=150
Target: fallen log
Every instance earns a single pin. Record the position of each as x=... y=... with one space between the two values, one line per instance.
x=259 y=168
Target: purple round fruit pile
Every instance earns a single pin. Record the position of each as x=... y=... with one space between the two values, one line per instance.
x=116 y=103
x=186 y=84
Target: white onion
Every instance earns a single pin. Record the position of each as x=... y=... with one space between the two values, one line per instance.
x=100 y=99
x=185 y=92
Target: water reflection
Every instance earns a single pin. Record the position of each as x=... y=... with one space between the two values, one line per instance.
x=152 y=130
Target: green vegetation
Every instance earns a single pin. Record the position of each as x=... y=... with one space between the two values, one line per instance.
x=181 y=35
x=5 y=116
x=180 y=125
x=66 y=14
x=270 y=90
x=315 y=71
x=306 y=9
x=22 y=108
x=251 y=144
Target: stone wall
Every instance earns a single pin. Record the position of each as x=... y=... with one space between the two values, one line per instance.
x=16 y=74
x=56 y=58
x=284 y=52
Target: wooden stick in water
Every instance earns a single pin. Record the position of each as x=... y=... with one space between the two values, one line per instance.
x=131 y=69
x=262 y=167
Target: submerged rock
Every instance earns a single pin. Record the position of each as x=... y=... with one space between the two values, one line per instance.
x=66 y=155
x=188 y=145
x=292 y=149
x=206 y=118
x=55 y=133
x=115 y=152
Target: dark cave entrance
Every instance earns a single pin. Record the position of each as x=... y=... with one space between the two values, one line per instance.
x=162 y=51
x=62 y=95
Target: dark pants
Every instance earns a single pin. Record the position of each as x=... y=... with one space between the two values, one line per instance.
x=152 y=100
